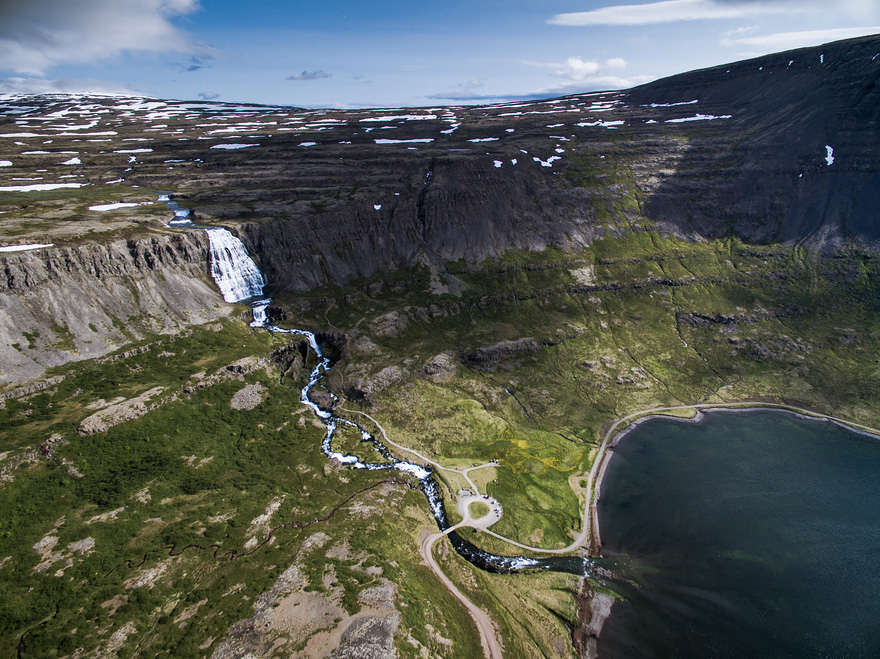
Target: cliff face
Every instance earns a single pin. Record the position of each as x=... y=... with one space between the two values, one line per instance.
x=450 y=206
x=63 y=304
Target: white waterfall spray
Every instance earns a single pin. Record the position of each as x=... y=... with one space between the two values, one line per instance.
x=235 y=272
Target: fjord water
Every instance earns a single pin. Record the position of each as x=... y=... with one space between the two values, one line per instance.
x=750 y=534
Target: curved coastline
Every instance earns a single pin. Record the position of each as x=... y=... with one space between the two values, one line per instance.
x=614 y=435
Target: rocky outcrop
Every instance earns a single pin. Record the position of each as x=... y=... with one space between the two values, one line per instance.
x=117 y=413
x=248 y=398
x=64 y=304
x=441 y=368
x=501 y=350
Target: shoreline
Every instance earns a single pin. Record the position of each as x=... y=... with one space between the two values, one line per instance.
x=600 y=609
x=613 y=436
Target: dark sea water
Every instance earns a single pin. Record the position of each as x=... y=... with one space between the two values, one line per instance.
x=747 y=535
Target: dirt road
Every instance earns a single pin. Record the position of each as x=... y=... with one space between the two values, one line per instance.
x=488 y=639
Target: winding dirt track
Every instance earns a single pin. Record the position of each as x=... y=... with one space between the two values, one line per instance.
x=388 y=440
x=488 y=639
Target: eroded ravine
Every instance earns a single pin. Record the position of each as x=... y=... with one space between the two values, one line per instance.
x=240 y=280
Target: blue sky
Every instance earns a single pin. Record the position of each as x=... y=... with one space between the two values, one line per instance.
x=363 y=53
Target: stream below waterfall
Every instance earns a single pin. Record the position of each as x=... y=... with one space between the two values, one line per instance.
x=240 y=280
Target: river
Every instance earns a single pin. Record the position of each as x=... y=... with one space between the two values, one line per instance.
x=240 y=280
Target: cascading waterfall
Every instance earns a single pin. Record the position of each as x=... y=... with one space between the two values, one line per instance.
x=239 y=279
x=236 y=274
x=234 y=271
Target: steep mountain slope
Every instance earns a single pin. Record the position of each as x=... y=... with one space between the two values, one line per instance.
x=770 y=176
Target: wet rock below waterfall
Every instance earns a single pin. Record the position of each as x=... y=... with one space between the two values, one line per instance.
x=322 y=399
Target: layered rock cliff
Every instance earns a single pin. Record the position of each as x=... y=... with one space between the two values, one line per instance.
x=68 y=303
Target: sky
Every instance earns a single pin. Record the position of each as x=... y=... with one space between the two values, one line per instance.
x=388 y=53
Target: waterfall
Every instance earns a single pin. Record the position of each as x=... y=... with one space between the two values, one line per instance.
x=235 y=272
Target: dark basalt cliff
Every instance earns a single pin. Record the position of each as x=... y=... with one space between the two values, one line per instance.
x=121 y=258
x=63 y=304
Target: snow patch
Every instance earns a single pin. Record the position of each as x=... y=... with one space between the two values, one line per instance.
x=548 y=162
x=232 y=146
x=698 y=117
x=40 y=187
x=424 y=140
x=829 y=155
x=604 y=124
x=23 y=248
x=112 y=207
x=670 y=105
x=403 y=117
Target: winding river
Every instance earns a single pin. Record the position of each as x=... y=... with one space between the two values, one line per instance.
x=240 y=280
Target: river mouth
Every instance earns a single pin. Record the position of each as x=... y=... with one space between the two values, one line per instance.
x=748 y=534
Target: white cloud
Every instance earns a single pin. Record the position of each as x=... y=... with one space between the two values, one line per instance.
x=740 y=31
x=579 y=70
x=310 y=75
x=63 y=86
x=670 y=11
x=582 y=75
x=594 y=84
x=38 y=34
x=789 y=40
x=589 y=72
